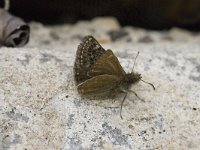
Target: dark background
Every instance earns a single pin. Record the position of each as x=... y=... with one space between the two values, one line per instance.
x=151 y=14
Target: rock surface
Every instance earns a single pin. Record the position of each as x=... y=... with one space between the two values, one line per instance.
x=41 y=109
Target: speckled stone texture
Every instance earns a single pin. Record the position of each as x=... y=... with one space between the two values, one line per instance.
x=41 y=109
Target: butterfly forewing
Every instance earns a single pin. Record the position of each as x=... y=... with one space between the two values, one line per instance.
x=107 y=64
x=98 y=85
x=87 y=54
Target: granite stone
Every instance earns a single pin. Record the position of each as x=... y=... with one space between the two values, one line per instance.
x=41 y=109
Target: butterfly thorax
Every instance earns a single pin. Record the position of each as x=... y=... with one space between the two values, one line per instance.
x=132 y=77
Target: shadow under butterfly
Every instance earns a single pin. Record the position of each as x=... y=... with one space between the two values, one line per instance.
x=14 y=32
x=98 y=72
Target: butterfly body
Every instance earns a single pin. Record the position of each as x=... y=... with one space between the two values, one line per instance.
x=98 y=72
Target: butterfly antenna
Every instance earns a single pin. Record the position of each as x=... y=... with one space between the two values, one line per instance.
x=149 y=84
x=135 y=60
x=122 y=105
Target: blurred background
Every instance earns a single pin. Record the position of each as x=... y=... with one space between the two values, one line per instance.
x=150 y=14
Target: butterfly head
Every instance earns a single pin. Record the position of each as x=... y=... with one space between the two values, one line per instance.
x=133 y=77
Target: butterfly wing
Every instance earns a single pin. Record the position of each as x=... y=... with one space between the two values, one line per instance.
x=98 y=85
x=107 y=64
x=87 y=54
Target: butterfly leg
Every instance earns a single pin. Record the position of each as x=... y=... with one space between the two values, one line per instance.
x=122 y=104
x=137 y=95
x=126 y=93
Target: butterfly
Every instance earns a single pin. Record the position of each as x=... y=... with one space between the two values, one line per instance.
x=98 y=72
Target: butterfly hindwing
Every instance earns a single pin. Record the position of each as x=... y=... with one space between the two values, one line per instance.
x=98 y=85
x=87 y=54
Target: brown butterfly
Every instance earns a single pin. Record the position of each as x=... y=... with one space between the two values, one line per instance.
x=98 y=72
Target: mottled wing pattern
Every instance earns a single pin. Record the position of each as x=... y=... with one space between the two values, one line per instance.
x=98 y=85
x=87 y=54
x=107 y=64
